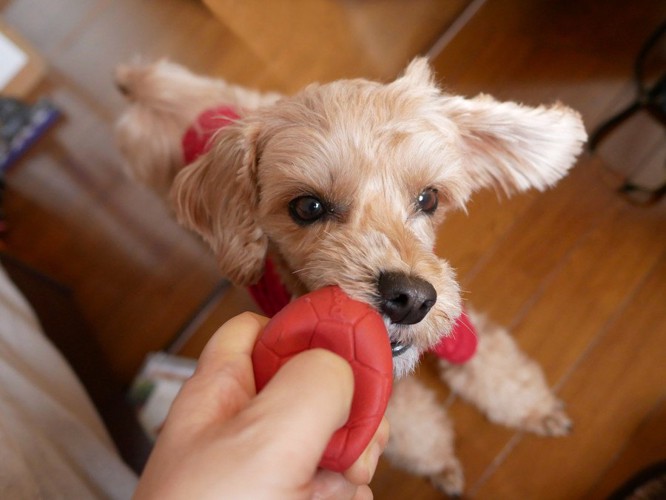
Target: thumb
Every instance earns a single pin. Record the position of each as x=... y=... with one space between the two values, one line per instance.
x=307 y=400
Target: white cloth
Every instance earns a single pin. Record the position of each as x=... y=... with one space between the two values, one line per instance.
x=52 y=441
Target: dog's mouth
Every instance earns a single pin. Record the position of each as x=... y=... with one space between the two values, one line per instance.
x=397 y=348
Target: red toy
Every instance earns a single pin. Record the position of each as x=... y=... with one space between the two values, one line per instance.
x=329 y=319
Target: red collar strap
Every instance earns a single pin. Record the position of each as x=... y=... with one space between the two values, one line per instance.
x=269 y=293
x=459 y=346
x=196 y=139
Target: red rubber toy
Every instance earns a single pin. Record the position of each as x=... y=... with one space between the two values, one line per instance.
x=329 y=319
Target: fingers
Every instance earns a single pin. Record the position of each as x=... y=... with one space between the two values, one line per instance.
x=223 y=382
x=363 y=469
x=282 y=432
x=236 y=338
x=329 y=485
x=308 y=399
x=312 y=400
x=353 y=484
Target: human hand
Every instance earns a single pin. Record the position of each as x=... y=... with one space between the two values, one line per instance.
x=222 y=440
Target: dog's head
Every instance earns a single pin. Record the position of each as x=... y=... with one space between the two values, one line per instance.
x=345 y=184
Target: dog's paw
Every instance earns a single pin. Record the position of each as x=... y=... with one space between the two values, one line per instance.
x=510 y=388
x=551 y=423
x=451 y=480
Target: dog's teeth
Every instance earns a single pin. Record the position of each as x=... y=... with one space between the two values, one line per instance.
x=397 y=349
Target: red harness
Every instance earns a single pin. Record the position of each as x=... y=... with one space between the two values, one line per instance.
x=270 y=293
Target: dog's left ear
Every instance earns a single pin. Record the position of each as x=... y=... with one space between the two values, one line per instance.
x=512 y=146
x=216 y=196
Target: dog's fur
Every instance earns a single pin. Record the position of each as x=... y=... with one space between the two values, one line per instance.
x=367 y=151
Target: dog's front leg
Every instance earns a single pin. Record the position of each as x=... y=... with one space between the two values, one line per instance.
x=506 y=385
x=421 y=438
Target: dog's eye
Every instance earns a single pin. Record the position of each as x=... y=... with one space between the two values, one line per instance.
x=306 y=209
x=428 y=200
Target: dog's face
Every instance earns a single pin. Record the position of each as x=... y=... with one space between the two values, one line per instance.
x=345 y=185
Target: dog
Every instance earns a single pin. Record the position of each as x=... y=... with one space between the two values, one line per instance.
x=345 y=183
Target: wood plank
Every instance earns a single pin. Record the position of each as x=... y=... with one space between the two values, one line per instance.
x=646 y=447
x=319 y=40
x=511 y=273
x=594 y=282
x=234 y=301
x=391 y=483
x=569 y=315
x=465 y=238
x=618 y=383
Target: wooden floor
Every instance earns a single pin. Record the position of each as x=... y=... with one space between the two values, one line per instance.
x=577 y=273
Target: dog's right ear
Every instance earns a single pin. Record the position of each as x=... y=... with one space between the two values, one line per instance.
x=216 y=196
x=513 y=146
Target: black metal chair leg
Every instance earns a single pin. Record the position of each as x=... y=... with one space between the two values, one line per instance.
x=611 y=124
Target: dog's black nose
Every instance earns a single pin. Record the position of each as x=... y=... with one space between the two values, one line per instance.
x=405 y=299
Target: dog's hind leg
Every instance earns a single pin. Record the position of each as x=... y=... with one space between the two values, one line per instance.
x=506 y=385
x=421 y=438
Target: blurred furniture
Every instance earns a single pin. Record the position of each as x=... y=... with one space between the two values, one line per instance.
x=650 y=97
x=62 y=322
